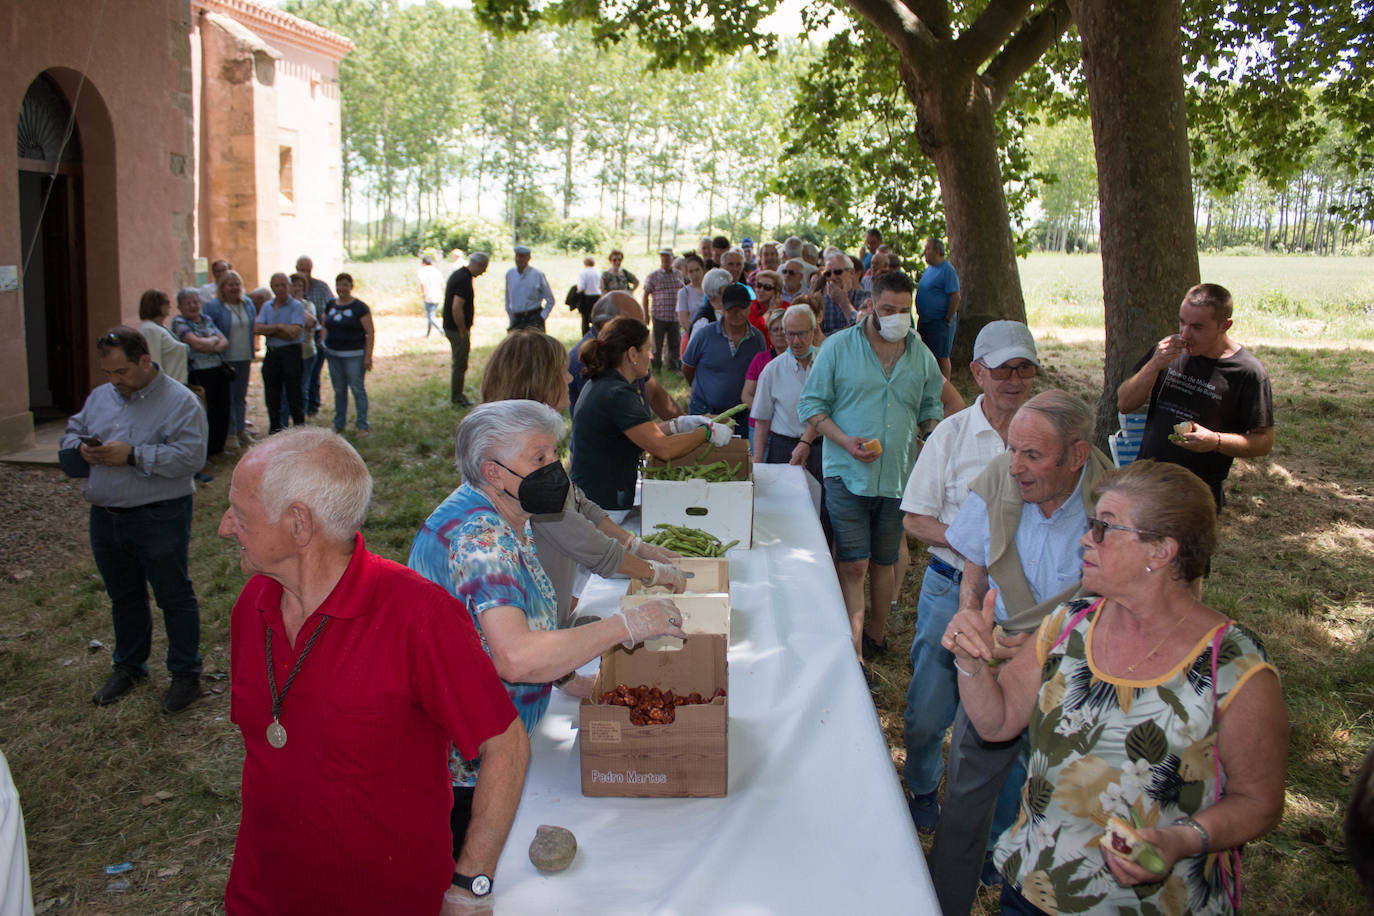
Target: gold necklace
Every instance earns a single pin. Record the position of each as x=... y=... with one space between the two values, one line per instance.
x=1163 y=639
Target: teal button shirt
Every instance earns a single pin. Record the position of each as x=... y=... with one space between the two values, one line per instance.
x=848 y=384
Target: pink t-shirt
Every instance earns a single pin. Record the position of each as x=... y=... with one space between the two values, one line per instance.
x=756 y=369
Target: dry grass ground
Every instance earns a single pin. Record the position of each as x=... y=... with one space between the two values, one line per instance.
x=1296 y=565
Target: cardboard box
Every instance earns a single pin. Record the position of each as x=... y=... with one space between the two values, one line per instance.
x=687 y=758
x=705 y=575
x=725 y=510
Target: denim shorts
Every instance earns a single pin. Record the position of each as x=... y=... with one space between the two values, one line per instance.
x=866 y=527
x=938 y=334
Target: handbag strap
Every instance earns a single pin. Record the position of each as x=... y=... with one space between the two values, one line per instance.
x=1073 y=622
x=1231 y=884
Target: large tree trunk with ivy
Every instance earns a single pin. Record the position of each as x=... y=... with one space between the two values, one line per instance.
x=956 y=85
x=1132 y=59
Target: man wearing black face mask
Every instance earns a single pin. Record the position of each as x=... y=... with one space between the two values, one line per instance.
x=478 y=544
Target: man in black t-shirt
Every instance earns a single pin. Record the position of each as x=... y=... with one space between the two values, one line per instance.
x=1201 y=377
x=459 y=313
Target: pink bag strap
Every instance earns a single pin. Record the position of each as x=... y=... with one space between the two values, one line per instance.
x=1073 y=622
x=1230 y=884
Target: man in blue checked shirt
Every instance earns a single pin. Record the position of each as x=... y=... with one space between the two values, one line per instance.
x=873 y=387
x=137 y=441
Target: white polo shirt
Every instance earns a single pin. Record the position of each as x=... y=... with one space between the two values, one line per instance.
x=779 y=389
x=957 y=450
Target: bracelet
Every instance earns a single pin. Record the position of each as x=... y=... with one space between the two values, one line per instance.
x=960 y=668
x=804 y=442
x=1187 y=821
x=1218 y=448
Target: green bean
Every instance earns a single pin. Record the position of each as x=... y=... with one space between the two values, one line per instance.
x=722 y=417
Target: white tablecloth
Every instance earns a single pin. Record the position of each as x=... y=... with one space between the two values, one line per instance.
x=814 y=820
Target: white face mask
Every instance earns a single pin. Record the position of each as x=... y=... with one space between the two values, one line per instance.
x=893 y=328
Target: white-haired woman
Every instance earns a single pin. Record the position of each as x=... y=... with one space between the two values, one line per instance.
x=712 y=285
x=795 y=274
x=479 y=545
x=235 y=314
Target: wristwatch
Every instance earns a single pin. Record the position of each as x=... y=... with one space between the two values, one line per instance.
x=477 y=886
x=132 y=460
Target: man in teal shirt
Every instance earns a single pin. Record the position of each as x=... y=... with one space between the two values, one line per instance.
x=872 y=389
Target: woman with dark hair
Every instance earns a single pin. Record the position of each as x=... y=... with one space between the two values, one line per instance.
x=617 y=277
x=169 y=353
x=348 y=338
x=207 y=344
x=531 y=365
x=1143 y=705
x=612 y=425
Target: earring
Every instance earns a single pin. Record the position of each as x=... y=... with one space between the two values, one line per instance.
x=1148 y=569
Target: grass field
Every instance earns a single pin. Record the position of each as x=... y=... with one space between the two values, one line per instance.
x=1296 y=564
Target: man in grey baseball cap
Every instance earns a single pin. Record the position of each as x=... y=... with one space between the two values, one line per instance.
x=529 y=298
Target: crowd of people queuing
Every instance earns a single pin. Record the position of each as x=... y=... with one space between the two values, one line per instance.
x=1060 y=629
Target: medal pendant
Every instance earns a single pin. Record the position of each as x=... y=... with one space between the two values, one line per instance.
x=276 y=735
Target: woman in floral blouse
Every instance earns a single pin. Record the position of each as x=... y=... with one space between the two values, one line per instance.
x=1127 y=697
x=478 y=544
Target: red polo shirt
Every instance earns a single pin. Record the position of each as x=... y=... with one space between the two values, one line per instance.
x=352 y=814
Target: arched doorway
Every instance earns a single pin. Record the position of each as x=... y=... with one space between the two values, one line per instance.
x=51 y=218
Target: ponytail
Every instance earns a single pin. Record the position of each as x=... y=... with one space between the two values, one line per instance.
x=606 y=352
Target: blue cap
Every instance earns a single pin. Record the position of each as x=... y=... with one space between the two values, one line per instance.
x=746 y=242
x=522 y=249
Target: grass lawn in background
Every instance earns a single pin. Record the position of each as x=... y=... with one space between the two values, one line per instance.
x=1295 y=564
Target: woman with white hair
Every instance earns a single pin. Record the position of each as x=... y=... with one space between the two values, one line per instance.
x=795 y=274
x=712 y=285
x=478 y=544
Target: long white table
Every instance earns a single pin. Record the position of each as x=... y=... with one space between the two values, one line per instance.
x=814 y=820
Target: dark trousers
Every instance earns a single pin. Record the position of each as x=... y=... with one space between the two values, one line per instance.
x=973 y=780
x=216 y=388
x=779 y=451
x=460 y=345
x=282 y=368
x=460 y=816
x=531 y=319
x=585 y=304
x=670 y=331
x=311 y=376
x=135 y=548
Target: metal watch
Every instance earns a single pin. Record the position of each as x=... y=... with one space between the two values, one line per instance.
x=477 y=885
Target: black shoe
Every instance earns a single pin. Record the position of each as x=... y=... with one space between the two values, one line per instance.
x=119 y=683
x=182 y=693
x=462 y=401
x=871 y=649
x=990 y=876
x=202 y=477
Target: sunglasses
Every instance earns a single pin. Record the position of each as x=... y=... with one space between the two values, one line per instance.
x=1002 y=373
x=789 y=273
x=839 y=272
x=1100 y=528
x=766 y=287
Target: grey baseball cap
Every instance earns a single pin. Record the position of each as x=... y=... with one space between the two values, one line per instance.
x=1002 y=341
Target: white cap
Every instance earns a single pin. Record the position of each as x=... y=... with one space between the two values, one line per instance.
x=1002 y=341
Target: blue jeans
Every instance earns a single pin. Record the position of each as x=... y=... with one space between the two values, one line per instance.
x=135 y=548
x=238 y=395
x=933 y=695
x=310 y=379
x=430 y=323
x=346 y=372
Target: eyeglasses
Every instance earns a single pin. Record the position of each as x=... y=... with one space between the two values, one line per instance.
x=797 y=335
x=766 y=287
x=112 y=338
x=1100 y=528
x=1002 y=373
x=789 y=273
x=838 y=272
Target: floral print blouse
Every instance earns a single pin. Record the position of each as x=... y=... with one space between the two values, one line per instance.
x=469 y=549
x=1102 y=747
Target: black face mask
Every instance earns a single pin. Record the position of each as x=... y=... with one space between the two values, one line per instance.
x=543 y=491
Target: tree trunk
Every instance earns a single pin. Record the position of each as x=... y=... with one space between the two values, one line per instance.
x=1132 y=59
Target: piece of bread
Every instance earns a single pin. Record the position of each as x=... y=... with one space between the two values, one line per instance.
x=1122 y=840
x=1183 y=428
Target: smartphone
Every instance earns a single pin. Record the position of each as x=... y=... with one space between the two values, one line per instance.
x=92 y=441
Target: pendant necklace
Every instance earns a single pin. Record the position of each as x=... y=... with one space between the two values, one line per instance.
x=276 y=734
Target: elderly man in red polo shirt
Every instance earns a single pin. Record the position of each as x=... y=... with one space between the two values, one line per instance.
x=350 y=676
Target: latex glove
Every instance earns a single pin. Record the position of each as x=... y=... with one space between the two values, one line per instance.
x=721 y=434
x=669 y=575
x=650 y=620
x=646 y=551
x=687 y=423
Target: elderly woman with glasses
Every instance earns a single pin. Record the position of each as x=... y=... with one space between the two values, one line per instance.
x=1145 y=706
x=767 y=287
x=479 y=545
x=235 y=314
x=794 y=275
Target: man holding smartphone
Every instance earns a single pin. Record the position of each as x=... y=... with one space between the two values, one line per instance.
x=137 y=441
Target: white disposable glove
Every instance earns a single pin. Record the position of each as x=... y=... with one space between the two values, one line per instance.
x=687 y=423
x=721 y=434
x=650 y=620
x=669 y=575
x=646 y=551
